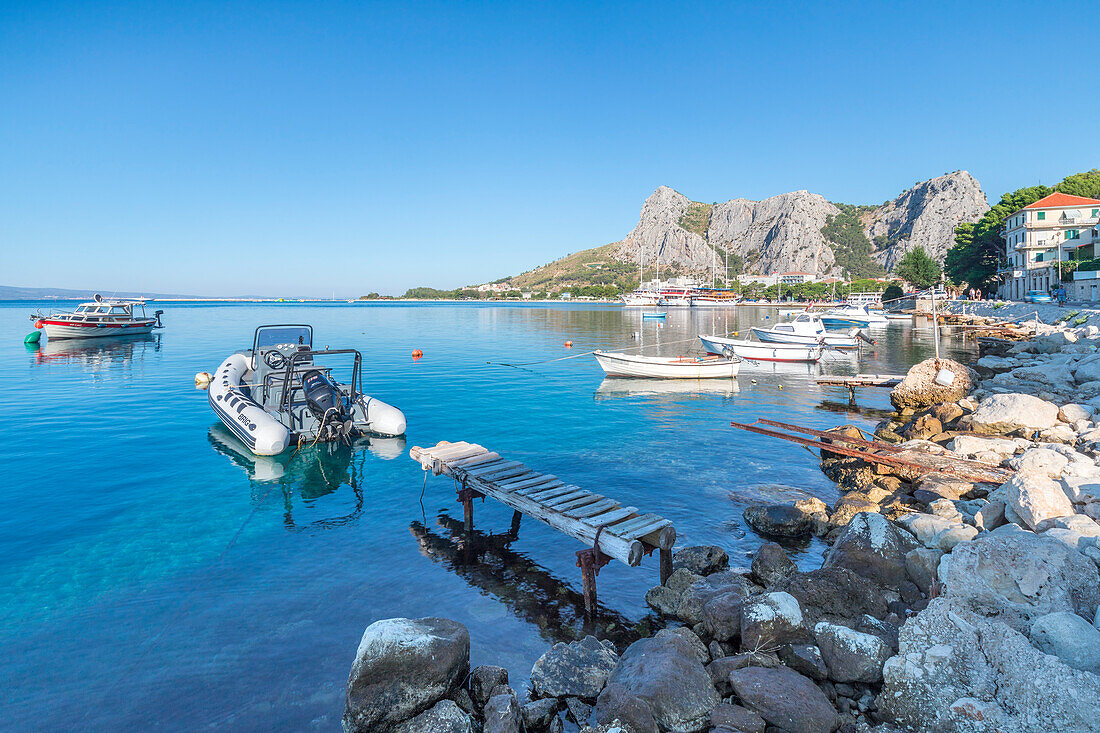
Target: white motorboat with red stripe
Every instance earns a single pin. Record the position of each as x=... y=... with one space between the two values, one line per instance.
x=760 y=351
x=99 y=317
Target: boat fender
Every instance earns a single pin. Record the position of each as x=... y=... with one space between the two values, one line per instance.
x=780 y=386
x=33 y=337
x=39 y=323
x=203 y=379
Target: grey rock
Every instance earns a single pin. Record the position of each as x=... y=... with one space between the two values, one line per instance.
x=1070 y=638
x=784 y=699
x=850 y=655
x=805 y=659
x=666 y=674
x=872 y=547
x=578 y=710
x=1034 y=498
x=962 y=672
x=402 y=668
x=722 y=616
x=835 y=594
x=501 y=715
x=886 y=630
x=578 y=669
x=483 y=680
x=1019 y=576
x=922 y=565
x=778 y=520
x=444 y=717
x=698 y=648
x=736 y=718
x=719 y=670
x=462 y=698
x=936 y=532
x=701 y=559
x=770 y=565
x=502 y=690
x=1078 y=523
x=771 y=620
x=538 y=714
x=919 y=388
x=665 y=599
x=617 y=703
x=1001 y=414
x=698 y=594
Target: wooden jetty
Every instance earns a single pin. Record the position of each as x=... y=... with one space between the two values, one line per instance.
x=913 y=462
x=610 y=530
x=861 y=380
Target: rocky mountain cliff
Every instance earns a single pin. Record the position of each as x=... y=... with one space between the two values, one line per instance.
x=784 y=233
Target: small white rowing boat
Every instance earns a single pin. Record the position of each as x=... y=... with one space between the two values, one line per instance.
x=807 y=329
x=617 y=364
x=760 y=351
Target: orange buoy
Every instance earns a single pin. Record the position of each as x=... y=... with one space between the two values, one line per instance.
x=417 y=353
x=38 y=323
x=568 y=344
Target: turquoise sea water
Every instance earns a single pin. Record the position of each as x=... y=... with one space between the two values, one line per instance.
x=153 y=575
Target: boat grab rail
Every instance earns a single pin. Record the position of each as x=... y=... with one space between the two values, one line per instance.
x=286 y=401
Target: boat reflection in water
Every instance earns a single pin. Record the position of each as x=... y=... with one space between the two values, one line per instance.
x=612 y=387
x=530 y=591
x=95 y=352
x=310 y=473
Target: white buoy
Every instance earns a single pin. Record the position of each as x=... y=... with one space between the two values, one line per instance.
x=203 y=380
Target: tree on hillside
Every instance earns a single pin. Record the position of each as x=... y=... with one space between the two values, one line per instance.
x=1081 y=184
x=979 y=248
x=918 y=268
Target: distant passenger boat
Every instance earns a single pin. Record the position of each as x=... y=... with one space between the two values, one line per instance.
x=99 y=317
x=641 y=298
x=682 y=367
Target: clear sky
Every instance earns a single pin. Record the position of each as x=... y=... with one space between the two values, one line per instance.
x=310 y=147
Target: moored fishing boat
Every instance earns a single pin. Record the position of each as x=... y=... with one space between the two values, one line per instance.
x=850 y=315
x=808 y=329
x=617 y=364
x=761 y=351
x=276 y=394
x=97 y=318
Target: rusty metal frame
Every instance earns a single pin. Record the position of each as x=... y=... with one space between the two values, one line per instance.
x=886 y=455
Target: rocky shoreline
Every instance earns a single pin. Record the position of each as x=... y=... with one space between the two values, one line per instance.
x=942 y=604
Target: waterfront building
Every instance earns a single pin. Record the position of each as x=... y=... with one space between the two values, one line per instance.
x=796 y=278
x=1040 y=236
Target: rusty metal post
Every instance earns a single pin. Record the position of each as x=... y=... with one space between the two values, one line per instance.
x=467 y=496
x=516 y=516
x=586 y=561
x=666 y=564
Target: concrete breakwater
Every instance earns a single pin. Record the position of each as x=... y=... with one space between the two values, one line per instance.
x=941 y=604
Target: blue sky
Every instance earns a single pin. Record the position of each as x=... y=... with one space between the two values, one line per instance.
x=304 y=148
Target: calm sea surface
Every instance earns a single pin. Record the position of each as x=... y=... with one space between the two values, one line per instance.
x=153 y=574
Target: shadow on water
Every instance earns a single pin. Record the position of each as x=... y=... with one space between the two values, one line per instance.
x=310 y=473
x=873 y=413
x=530 y=591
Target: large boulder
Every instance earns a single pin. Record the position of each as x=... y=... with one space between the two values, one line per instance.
x=1035 y=498
x=920 y=389
x=784 y=699
x=701 y=592
x=736 y=718
x=1070 y=638
x=1019 y=576
x=1001 y=414
x=617 y=703
x=665 y=674
x=778 y=520
x=482 y=681
x=770 y=620
x=960 y=672
x=851 y=656
x=770 y=564
x=701 y=559
x=665 y=599
x=835 y=594
x=402 y=668
x=578 y=669
x=501 y=714
x=872 y=547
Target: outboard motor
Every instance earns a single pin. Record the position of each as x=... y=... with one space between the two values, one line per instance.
x=327 y=404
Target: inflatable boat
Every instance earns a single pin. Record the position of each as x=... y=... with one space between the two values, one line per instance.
x=277 y=394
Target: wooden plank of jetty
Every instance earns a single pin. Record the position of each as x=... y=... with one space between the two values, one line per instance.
x=611 y=531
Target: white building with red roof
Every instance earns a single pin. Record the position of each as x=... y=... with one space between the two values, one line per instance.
x=1041 y=235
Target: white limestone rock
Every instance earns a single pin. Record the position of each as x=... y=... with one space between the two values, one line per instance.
x=1034 y=497
x=1005 y=413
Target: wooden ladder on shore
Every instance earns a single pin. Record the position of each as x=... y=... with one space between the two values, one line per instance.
x=610 y=530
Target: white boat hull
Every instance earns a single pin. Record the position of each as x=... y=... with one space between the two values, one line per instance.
x=261 y=433
x=758 y=351
x=630 y=365
x=837 y=341
x=56 y=330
